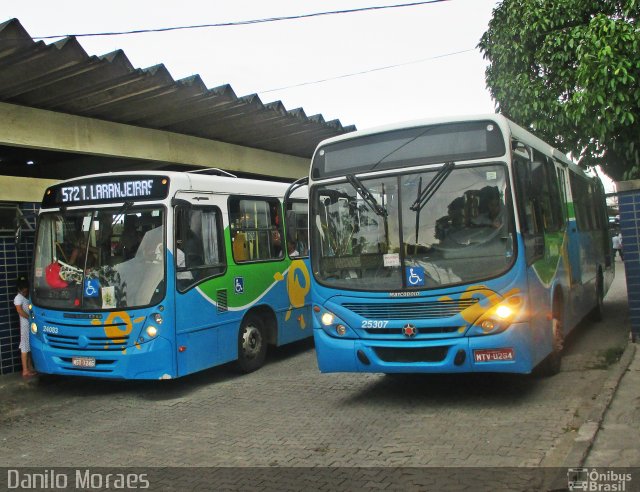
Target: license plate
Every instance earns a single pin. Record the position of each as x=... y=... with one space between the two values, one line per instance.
x=493 y=355
x=83 y=361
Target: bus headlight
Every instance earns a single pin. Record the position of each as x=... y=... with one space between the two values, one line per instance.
x=34 y=328
x=327 y=318
x=157 y=317
x=498 y=317
x=333 y=325
x=152 y=331
x=504 y=312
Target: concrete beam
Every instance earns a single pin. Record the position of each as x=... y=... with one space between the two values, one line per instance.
x=48 y=130
x=17 y=189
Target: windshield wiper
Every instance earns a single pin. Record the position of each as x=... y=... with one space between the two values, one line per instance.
x=425 y=195
x=366 y=195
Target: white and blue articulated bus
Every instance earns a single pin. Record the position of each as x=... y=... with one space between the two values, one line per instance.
x=149 y=275
x=452 y=245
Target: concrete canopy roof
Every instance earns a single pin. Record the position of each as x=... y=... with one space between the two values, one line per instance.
x=61 y=77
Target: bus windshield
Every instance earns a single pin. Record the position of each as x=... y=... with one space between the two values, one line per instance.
x=100 y=259
x=459 y=232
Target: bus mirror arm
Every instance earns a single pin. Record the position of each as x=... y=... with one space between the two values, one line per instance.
x=293 y=187
x=180 y=202
x=290 y=216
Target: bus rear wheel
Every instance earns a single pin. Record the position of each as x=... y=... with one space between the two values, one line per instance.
x=252 y=344
x=596 y=312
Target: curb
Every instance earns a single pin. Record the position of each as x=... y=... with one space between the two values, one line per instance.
x=589 y=429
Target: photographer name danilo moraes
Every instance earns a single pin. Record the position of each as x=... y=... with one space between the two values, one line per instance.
x=75 y=479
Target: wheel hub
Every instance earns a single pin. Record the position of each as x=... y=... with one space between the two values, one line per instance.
x=251 y=341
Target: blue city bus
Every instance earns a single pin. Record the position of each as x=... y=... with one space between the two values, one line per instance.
x=452 y=245
x=149 y=275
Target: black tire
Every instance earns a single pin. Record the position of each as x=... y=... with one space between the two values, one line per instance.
x=252 y=344
x=552 y=364
x=596 y=312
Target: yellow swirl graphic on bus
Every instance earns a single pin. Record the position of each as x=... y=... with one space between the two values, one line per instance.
x=298 y=291
x=478 y=309
x=114 y=329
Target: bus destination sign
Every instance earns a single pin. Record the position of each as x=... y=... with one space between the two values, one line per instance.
x=116 y=189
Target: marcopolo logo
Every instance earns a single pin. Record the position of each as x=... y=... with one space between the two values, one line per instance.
x=597 y=480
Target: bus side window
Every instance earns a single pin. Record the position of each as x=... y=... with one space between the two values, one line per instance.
x=526 y=206
x=199 y=251
x=545 y=183
x=580 y=196
x=530 y=180
x=561 y=175
x=297 y=227
x=256 y=229
x=554 y=196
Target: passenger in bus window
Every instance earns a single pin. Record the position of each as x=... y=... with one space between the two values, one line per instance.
x=453 y=221
x=491 y=210
x=292 y=249
x=276 y=242
x=80 y=257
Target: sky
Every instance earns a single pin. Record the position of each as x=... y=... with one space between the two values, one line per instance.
x=438 y=71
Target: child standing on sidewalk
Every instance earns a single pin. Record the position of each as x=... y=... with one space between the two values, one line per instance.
x=22 y=306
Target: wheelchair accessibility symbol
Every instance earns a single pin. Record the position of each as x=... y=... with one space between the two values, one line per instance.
x=414 y=276
x=238 y=285
x=91 y=287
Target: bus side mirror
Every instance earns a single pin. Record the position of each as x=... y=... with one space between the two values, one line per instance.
x=290 y=223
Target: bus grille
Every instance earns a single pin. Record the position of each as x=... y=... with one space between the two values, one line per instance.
x=410 y=310
x=419 y=354
x=87 y=343
x=432 y=330
x=222 y=301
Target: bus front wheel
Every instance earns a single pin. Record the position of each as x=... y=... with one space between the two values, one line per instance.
x=551 y=365
x=252 y=344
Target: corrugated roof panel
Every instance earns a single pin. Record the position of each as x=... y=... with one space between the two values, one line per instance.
x=62 y=77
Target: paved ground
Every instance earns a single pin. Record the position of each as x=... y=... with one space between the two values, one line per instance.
x=289 y=415
x=617 y=442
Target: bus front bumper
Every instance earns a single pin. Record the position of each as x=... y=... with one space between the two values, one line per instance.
x=149 y=360
x=503 y=352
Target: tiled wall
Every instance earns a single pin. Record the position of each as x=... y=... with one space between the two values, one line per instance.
x=14 y=261
x=629 y=204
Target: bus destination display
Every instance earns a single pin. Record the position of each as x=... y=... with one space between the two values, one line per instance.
x=115 y=190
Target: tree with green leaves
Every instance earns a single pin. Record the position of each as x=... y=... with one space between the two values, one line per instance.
x=569 y=70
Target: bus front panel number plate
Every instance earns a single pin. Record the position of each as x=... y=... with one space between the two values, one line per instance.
x=83 y=361
x=493 y=355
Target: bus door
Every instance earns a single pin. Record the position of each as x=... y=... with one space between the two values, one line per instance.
x=542 y=226
x=197 y=259
x=296 y=323
x=573 y=236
